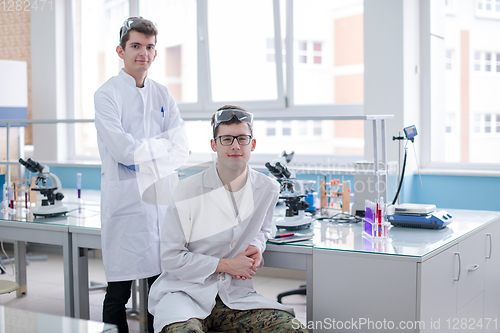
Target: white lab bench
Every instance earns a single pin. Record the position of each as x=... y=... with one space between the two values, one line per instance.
x=17 y=320
x=449 y=277
x=414 y=275
x=54 y=231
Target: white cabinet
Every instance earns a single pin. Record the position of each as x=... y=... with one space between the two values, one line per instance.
x=455 y=287
x=461 y=285
x=362 y=293
x=439 y=289
x=416 y=280
x=492 y=279
x=472 y=267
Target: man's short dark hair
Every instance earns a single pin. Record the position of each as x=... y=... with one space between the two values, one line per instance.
x=140 y=25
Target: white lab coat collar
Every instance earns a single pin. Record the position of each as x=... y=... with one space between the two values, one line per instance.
x=217 y=193
x=219 y=181
x=213 y=181
x=129 y=79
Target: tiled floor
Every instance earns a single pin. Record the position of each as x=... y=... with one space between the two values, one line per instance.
x=46 y=291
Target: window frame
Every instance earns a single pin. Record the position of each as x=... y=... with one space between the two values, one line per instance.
x=283 y=108
x=426 y=34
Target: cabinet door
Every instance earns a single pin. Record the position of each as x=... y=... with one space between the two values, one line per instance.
x=364 y=289
x=439 y=290
x=473 y=260
x=492 y=278
x=470 y=318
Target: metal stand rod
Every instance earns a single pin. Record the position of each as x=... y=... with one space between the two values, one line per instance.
x=375 y=160
x=20 y=255
x=8 y=156
x=384 y=161
x=143 y=305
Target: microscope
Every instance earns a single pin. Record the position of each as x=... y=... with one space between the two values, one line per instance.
x=290 y=189
x=52 y=205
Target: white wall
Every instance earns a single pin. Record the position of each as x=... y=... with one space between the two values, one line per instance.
x=13 y=83
x=48 y=75
x=392 y=71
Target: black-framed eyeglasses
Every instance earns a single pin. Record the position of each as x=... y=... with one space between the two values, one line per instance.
x=227 y=140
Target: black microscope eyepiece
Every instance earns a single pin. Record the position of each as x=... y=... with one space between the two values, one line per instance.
x=31 y=165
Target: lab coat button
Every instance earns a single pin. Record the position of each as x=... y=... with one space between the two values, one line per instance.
x=233 y=244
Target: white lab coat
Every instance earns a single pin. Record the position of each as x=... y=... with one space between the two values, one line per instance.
x=201 y=228
x=140 y=127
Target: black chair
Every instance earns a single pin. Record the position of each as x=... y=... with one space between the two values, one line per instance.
x=300 y=291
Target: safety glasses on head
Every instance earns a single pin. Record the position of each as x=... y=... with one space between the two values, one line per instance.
x=227 y=114
x=131 y=22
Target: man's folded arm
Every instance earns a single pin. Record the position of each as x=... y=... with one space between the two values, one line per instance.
x=132 y=152
x=176 y=259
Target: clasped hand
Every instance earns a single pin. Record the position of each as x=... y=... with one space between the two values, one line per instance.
x=246 y=263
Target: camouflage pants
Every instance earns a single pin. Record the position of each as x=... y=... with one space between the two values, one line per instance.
x=225 y=319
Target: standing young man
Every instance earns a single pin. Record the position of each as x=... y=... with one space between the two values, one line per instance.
x=141 y=141
x=212 y=242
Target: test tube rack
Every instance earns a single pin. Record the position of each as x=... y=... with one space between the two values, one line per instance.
x=335 y=196
x=29 y=198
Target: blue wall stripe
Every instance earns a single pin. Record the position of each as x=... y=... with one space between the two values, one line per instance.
x=91 y=176
x=460 y=192
x=8 y=112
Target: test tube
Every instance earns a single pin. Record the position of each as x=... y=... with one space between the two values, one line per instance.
x=5 y=197
x=11 y=198
x=79 y=184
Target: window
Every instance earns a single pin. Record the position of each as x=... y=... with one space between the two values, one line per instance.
x=175 y=65
x=449 y=59
x=214 y=52
x=96 y=38
x=487 y=124
x=450 y=6
x=270 y=56
x=338 y=137
x=238 y=69
x=487 y=62
x=329 y=52
x=287 y=128
x=488 y=9
x=309 y=53
x=302 y=52
x=303 y=128
x=478 y=123
x=477 y=61
x=317 y=53
x=450 y=122
x=318 y=128
x=463 y=83
x=271 y=128
x=486 y=5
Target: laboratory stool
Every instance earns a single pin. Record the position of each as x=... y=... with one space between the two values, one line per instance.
x=300 y=291
x=8 y=286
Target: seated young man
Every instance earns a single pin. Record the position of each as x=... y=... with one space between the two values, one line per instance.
x=212 y=242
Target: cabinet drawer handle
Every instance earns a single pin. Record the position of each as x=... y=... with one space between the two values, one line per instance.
x=459 y=266
x=473 y=268
x=489 y=255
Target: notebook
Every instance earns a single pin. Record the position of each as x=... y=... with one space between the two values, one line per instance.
x=290 y=239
